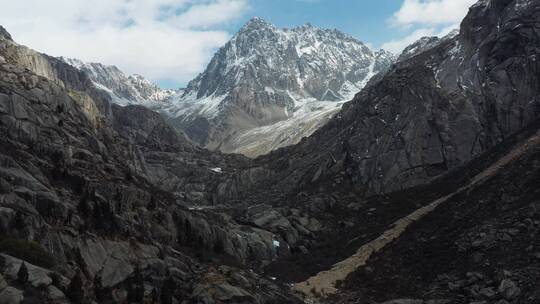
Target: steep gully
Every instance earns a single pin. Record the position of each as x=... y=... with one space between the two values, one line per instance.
x=324 y=283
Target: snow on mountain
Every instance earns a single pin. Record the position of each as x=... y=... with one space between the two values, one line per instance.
x=123 y=89
x=423 y=44
x=269 y=87
x=302 y=123
x=265 y=89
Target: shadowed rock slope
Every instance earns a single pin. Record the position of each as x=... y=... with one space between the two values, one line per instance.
x=96 y=201
x=479 y=246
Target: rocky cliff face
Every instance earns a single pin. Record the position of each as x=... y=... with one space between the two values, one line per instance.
x=5 y=34
x=270 y=87
x=481 y=245
x=101 y=202
x=124 y=90
x=432 y=112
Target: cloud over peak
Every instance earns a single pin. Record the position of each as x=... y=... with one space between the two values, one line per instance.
x=426 y=18
x=167 y=40
x=432 y=12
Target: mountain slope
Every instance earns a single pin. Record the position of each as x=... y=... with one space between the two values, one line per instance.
x=100 y=202
x=325 y=283
x=266 y=82
x=428 y=114
x=124 y=90
x=481 y=245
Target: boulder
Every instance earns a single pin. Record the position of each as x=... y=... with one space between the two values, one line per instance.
x=3 y=283
x=274 y=221
x=115 y=271
x=37 y=276
x=54 y=294
x=119 y=295
x=11 y=295
x=509 y=289
x=488 y=292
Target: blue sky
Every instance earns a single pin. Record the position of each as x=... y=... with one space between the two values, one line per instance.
x=367 y=20
x=171 y=41
x=364 y=19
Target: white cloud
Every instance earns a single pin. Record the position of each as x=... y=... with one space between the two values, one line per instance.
x=419 y=18
x=432 y=11
x=369 y=45
x=211 y=14
x=169 y=40
x=396 y=46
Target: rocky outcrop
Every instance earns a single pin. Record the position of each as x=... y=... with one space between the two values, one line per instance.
x=419 y=46
x=5 y=34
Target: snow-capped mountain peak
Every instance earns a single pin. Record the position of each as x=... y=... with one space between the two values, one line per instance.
x=424 y=44
x=267 y=75
x=256 y=22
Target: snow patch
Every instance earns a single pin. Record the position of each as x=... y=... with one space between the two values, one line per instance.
x=190 y=105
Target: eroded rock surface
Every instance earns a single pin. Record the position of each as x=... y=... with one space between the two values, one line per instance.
x=106 y=192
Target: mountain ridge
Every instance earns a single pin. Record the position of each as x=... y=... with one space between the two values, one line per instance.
x=124 y=89
x=242 y=101
x=263 y=76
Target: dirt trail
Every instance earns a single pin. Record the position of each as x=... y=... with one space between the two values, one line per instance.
x=324 y=283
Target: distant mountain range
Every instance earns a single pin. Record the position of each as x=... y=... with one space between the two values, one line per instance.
x=266 y=88
x=124 y=89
